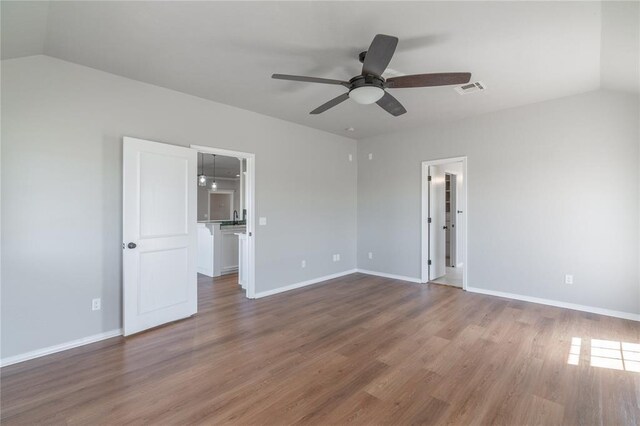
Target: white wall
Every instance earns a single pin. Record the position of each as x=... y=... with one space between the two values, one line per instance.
x=553 y=189
x=62 y=129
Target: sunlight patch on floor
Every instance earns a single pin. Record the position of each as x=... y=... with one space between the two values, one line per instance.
x=611 y=354
x=574 y=352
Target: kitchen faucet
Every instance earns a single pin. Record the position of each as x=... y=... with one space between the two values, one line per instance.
x=235 y=217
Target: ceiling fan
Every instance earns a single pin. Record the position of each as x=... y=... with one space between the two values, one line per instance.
x=370 y=86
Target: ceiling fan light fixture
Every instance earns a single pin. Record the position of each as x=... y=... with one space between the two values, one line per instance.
x=366 y=95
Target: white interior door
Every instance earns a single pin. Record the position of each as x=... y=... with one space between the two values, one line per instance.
x=437 y=266
x=160 y=234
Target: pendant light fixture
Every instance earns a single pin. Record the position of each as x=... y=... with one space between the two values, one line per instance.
x=214 y=185
x=202 y=179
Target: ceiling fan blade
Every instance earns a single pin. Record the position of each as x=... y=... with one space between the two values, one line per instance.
x=391 y=105
x=333 y=102
x=379 y=54
x=428 y=80
x=310 y=79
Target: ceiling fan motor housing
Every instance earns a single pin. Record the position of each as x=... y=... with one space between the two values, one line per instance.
x=366 y=80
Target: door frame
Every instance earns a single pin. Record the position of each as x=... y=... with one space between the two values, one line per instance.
x=251 y=209
x=424 y=252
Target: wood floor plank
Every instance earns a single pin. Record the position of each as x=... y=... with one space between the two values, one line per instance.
x=353 y=350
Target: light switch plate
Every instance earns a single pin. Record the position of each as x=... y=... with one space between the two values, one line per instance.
x=262 y=221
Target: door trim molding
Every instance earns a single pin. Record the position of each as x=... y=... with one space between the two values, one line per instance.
x=424 y=229
x=251 y=209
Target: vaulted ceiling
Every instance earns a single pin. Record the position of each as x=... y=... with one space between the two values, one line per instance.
x=523 y=52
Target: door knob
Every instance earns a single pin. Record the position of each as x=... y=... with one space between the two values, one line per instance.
x=131 y=245
x=444 y=227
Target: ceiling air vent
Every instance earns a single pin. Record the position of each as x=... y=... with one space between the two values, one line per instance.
x=470 y=88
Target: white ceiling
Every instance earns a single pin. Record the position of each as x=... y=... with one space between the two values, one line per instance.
x=524 y=52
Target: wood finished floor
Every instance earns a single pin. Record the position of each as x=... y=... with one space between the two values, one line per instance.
x=358 y=349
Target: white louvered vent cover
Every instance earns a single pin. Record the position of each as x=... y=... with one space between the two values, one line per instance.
x=470 y=88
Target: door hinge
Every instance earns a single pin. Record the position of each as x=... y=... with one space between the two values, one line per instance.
x=123 y=247
x=429 y=220
x=429 y=262
x=429 y=178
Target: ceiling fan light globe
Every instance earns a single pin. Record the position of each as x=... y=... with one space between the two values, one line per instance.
x=366 y=95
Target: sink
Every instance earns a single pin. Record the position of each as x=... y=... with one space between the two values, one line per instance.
x=231 y=223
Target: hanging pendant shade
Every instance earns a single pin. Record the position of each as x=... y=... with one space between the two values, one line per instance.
x=214 y=185
x=202 y=179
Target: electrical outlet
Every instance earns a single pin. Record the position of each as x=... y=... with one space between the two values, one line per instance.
x=350 y=157
x=568 y=279
x=370 y=156
x=370 y=255
x=303 y=264
x=96 y=304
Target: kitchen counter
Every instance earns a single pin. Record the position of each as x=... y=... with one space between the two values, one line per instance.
x=218 y=247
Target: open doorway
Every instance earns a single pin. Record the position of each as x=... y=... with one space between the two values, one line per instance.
x=225 y=218
x=444 y=195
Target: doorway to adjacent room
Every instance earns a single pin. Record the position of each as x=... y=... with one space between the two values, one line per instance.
x=444 y=225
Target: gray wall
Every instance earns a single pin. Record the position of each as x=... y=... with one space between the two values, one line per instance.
x=553 y=189
x=62 y=129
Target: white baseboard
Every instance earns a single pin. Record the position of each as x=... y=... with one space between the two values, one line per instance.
x=566 y=305
x=59 y=348
x=303 y=283
x=392 y=276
